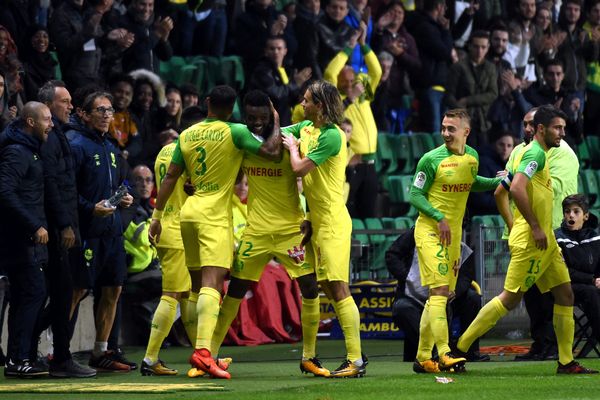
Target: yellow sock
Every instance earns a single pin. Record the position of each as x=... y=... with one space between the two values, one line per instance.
x=163 y=319
x=229 y=310
x=189 y=316
x=310 y=317
x=438 y=323
x=425 y=336
x=349 y=318
x=208 y=313
x=564 y=327
x=485 y=320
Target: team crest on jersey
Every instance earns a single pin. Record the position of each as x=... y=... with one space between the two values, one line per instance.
x=420 y=180
x=529 y=281
x=297 y=253
x=531 y=168
x=443 y=268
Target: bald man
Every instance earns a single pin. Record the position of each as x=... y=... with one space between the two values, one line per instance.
x=23 y=232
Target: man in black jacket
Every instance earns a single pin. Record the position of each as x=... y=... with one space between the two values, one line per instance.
x=23 y=232
x=402 y=262
x=97 y=168
x=64 y=249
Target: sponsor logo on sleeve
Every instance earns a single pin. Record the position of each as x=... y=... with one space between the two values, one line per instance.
x=531 y=168
x=420 y=180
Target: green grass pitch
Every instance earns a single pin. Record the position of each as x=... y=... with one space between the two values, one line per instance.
x=272 y=372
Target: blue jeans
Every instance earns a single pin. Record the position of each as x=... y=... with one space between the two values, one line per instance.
x=430 y=110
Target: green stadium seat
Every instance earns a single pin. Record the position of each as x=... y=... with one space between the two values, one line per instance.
x=358 y=223
x=232 y=72
x=416 y=147
x=426 y=140
x=437 y=139
x=395 y=188
x=580 y=186
x=401 y=148
x=593 y=143
x=583 y=154
x=386 y=162
x=403 y=223
x=590 y=185
x=388 y=222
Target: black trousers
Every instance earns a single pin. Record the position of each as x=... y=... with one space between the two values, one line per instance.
x=540 y=308
x=587 y=297
x=27 y=297
x=362 y=199
x=406 y=313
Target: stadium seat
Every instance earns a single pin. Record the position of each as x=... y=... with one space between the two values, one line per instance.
x=403 y=223
x=583 y=154
x=437 y=139
x=388 y=222
x=395 y=188
x=386 y=161
x=426 y=140
x=593 y=143
x=401 y=149
x=406 y=182
x=416 y=147
x=358 y=224
x=232 y=72
x=590 y=185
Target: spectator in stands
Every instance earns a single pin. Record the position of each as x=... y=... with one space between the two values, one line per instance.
x=16 y=17
x=462 y=16
x=305 y=26
x=472 y=84
x=498 y=46
x=97 y=166
x=521 y=50
x=123 y=127
x=11 y=68
x=575 y=49
x=211 y=32
x=331 y=35
x=23 y=233
x=358 y=11
x=554 y=93
x=402 y=262
x=151 y=37
x=357 y=93
x=7 y=112
x=578 y=240
x=592 y=103
x=143 y=184
x=271 y=77
x=76 y=32
x=169 y=116
x=430 y=29
x=189 y=95
x=252 y=28
x=64 y=249
x=391 y=36
x=148 y=96
x=492 y=159
x=38 y=64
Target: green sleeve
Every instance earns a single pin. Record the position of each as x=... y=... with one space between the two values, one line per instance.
x=329 y=144
x=244 y=139
x=295 y=129
x=533 y=160
x=423 y=179
x=483 y=184
x=177 y=157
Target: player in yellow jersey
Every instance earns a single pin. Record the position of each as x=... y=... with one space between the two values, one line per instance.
x=210 y=153
x=320 y=157
x=442 y=182
x=535 y=255
x=275 y=228
x=176 y=281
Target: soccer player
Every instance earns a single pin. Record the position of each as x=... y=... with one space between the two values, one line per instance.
x=319 y=156
x=275 y=228
x=535 y=255
x=443 y=179
x=176 y=282
x=210 y=153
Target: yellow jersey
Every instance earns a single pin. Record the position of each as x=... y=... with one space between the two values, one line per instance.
x=211 y=153
x=533 y=163
x=324 y=185
x=171 y=233
x=273 y=199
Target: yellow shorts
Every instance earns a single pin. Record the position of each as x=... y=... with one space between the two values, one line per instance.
x=332 y=253
x=436 y=262
x=545 y=268
x=207 y=245
x=175 y=275
x=256 y=250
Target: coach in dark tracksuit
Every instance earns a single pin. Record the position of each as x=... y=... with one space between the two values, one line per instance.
x=64 y=247
x=23 y=231
x=96 y=163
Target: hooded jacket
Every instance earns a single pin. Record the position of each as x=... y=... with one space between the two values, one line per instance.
x=581 y=250
x=21 y=197
x=96 y=164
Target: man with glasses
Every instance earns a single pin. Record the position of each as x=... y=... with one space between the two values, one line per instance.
x=97 y=168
